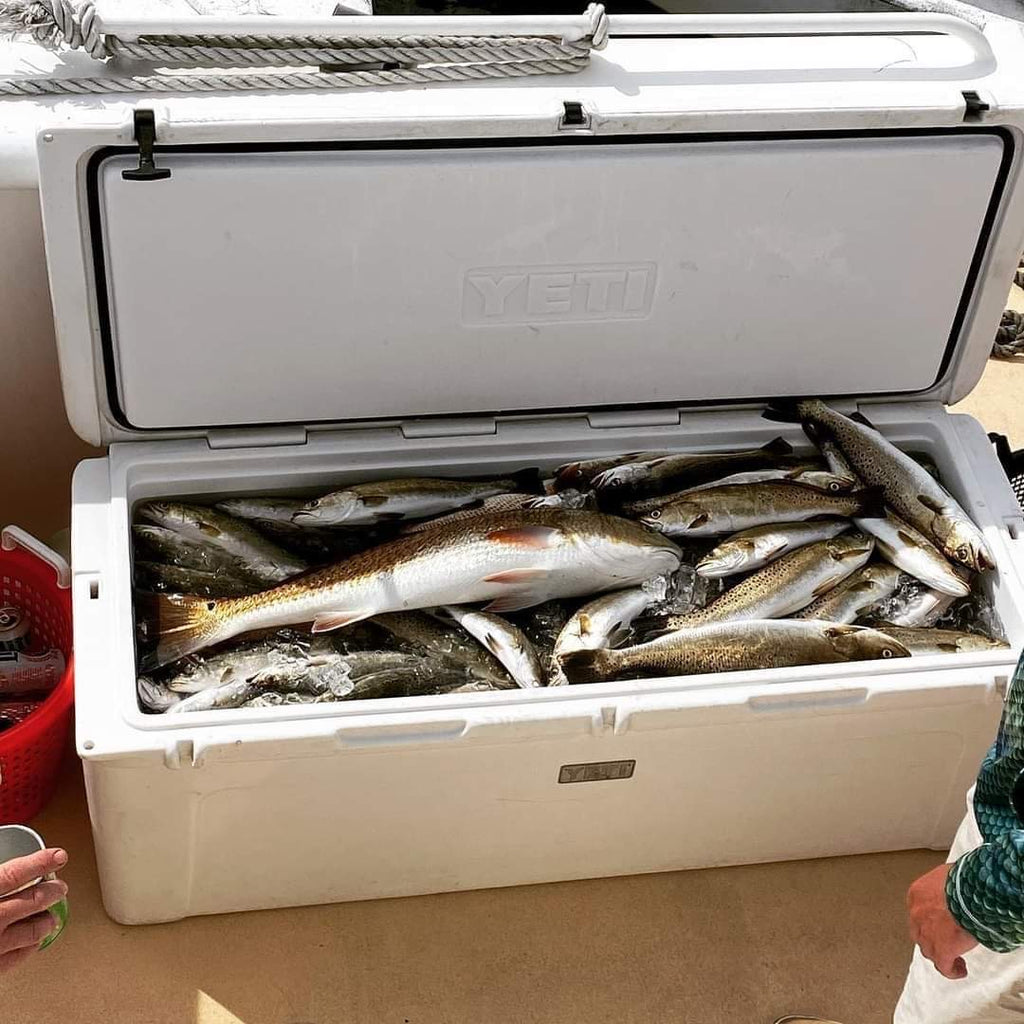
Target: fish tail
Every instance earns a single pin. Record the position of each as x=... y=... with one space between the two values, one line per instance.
x=529 y=480
x=781 y=410
x=184 y=625
x=872 y=501
x=586 y=666
x=779 y=446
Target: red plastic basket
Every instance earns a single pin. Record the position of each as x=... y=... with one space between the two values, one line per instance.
x=36 y=580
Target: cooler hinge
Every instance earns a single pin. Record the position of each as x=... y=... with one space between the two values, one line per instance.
x=616 y=419
x=975 y=107
x=256 y=437
x=456 y=426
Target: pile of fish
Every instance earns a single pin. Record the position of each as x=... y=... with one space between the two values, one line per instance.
x=644 y=565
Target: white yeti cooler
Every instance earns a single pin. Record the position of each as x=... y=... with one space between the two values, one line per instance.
x=472 y=278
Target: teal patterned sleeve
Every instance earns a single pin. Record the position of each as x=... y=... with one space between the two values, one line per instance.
x=985 y=888
x=985 y=892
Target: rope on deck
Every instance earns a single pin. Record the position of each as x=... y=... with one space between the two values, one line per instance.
x=248 y=62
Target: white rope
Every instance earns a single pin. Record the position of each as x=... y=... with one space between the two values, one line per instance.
x=417 y=60
x=956 y=8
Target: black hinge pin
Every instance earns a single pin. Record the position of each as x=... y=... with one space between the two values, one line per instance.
x=145 y=136
x=975 y=108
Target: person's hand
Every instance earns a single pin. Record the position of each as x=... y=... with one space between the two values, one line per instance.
x=934 y=928
x=24 y=917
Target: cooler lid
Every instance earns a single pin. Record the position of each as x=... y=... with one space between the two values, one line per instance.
x=269 y=284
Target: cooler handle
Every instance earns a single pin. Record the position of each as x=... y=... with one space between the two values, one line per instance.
x=14 y=537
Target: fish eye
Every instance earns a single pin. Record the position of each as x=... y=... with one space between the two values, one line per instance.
x=614 y=482
x=887 y=652
x=211 y=606
x=655 y=514
x=834 y=486
x=963 y=552
x=315 y=503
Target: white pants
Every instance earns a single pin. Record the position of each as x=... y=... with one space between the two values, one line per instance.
x=992 y=992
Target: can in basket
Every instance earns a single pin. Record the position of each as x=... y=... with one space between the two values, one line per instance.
x=36 y=580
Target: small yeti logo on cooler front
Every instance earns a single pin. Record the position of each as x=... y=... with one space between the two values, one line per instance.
x=523 y=295
x=596 y=771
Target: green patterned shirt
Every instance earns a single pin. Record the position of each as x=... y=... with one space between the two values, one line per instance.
x=985 y=889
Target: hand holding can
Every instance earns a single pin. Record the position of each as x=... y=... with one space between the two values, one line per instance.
x=33 y=908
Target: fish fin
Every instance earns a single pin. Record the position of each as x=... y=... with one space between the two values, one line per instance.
x=872 y=502
x=513 y=576
x=209 y=529
x=184 y=625
x=845 y=556
x=617 y=634
x=326 y=621
x=585 y=666
x=492 y=643
x=931 y=504
x=387 y=517
x=781 y=411
x=526 y=536
x=373 y=500
x=778 y=446
x=700 y=520
x=822 y=589
x=516 y=602
x=838 y=629
x=528 y=480
x=945 y=647
x=862 y=587
x=859 y=417
x=530 y=587
x=584 y=624
x=906 y=538
x=652 y=626
x=775 y=551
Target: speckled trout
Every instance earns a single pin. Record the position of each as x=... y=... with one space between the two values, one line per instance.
x=733 y=647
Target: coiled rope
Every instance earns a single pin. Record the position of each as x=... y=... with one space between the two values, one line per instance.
x=1009 y=341
x=283 y=63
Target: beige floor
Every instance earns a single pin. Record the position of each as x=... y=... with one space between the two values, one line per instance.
x=732 y=946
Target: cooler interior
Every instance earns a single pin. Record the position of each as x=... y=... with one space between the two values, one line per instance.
x=324 y=464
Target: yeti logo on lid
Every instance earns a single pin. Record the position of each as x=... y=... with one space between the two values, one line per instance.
x=557 y=294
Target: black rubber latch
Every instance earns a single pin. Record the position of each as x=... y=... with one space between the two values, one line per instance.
x=974 y=106
x=573 y=113
x=145 y=136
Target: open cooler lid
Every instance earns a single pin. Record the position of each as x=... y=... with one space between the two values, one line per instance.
x=302 y=280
